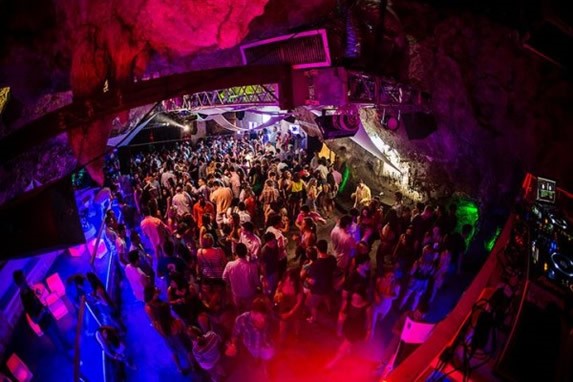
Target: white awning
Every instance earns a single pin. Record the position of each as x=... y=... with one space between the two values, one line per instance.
x=363 y=139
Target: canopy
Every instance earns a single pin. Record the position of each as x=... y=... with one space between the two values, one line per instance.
x=363 y=139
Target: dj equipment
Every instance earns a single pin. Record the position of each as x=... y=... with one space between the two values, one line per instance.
x=551 y=261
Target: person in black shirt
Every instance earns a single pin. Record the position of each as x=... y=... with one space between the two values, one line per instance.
x=269 y=263
x=40 y=314
x=321 y=279
x=357 y=279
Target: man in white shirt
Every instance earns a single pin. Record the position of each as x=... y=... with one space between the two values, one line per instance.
x=165 y=176
x=251 y=241
x=322 y=169
x=182 y=202
x=243 y=277
x=343 y=242
x=235 y=181
x=137 y=279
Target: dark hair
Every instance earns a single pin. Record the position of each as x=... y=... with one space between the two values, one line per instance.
x=268 y=236
x=145 y=211
x=274 y=220
x=305 y=208
x=345 y=221
x=179 y=279
x=133 y=256
x=241 y=250
x=322 y=245
x=249 y=226
x=94 y=281
x=261 y=305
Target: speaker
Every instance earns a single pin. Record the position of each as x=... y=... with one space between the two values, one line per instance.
x=419 y=125
x=338 y=126
x=40 y=221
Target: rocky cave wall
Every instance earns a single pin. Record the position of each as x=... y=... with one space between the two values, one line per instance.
x=500 y=110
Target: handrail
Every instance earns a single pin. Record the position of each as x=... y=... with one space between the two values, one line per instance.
x=77 y=345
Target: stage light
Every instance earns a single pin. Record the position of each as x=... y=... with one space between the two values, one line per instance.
x=186 y=128
x=389 y=121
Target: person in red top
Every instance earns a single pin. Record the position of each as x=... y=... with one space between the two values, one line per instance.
x=250 y=202
x=200 y=208
x=305 y=212
x=156 y=231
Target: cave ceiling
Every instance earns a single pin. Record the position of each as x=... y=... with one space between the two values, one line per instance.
x=501 y=110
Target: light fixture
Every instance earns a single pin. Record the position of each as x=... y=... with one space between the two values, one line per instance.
x=389 y=121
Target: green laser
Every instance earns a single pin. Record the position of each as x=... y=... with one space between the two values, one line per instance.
x=491 y=242
x=345 y=178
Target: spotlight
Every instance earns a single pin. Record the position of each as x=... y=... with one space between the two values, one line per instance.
x=390 y=122
x=186 y=128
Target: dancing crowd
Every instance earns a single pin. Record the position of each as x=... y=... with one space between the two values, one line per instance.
x=218 y=239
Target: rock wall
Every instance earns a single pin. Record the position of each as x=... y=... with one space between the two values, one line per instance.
x=501 y=110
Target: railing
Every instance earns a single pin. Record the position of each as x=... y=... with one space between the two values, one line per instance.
x=77 y=344
x=112 y=286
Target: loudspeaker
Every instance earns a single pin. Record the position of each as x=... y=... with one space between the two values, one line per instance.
x=338 y=126
x=419 y=125
x=39 y=221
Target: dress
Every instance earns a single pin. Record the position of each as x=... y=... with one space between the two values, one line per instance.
x=355 y=324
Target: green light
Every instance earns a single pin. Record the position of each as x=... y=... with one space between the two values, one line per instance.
x=491 y=242
x=468 y=213
x=345 y=177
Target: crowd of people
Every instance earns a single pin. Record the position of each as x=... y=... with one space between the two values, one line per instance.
x=218 y=239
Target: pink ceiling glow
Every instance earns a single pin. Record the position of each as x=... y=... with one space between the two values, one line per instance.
x=113 y=41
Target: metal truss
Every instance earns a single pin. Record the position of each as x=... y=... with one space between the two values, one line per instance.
x=266 y=94
x=366 y=88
